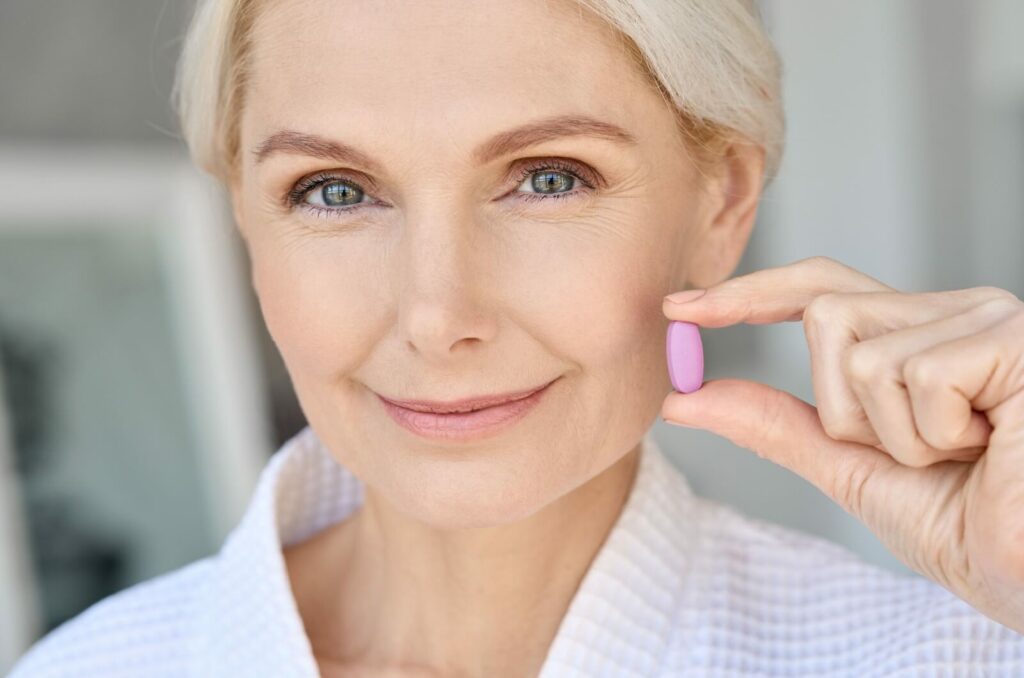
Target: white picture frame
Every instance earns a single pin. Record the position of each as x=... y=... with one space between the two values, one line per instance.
x=20 y=613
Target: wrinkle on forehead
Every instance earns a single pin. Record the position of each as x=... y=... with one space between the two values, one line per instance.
x=521 y=54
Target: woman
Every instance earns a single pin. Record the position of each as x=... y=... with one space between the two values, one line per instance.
x=451 y=204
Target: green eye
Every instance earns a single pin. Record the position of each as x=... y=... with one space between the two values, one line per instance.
x=327 y=195
x=551 y=182
x=337 y=193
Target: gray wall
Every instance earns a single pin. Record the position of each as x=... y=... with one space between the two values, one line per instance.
x=89 y=70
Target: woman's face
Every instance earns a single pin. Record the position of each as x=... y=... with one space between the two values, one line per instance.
x=442 y=258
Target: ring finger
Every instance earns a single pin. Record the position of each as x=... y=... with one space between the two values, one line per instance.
x=874 y=370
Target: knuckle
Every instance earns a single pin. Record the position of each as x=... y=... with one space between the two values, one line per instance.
x=993 y=292
x=745 y=306
x=840 y=425
x=815 y=268
x=977 y=298
x=923 y=374
x=862 y=363
x=1000 y=306
x=821 y=261
x=772 y=406
x=822 y=309
x=850 y=486
x=833 y=425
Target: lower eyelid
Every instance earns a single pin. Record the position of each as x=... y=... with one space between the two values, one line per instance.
x=330 y=212
x=537 y=197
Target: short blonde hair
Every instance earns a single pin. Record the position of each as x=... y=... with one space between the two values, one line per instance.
x=710 y=59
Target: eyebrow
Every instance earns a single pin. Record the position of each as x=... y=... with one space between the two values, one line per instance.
x=503 y=143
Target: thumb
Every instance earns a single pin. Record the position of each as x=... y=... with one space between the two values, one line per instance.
x=782 y=428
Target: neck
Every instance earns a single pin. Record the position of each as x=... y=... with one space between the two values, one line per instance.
x=382 y=589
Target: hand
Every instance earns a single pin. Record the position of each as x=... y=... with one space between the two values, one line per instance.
x=919 y=425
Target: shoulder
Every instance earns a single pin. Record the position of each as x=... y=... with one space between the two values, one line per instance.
x=785 y=588
x=140 y=630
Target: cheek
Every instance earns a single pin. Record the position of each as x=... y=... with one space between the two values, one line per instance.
x=316 y=304
x=590 y=290
x=601 y=292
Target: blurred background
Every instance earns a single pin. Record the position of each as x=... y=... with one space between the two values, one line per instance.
x=141 y=395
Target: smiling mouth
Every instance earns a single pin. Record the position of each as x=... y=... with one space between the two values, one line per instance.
x=466 y=420
x=465 y=405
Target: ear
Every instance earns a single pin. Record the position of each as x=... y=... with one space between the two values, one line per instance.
x=732 y=196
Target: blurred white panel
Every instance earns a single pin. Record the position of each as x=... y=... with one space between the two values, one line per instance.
x=20 y=621
x=143 y=415
x=221 y=357
x=1000 y=58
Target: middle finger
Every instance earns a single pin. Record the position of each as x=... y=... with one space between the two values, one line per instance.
x=835 y=322
x=875 y=372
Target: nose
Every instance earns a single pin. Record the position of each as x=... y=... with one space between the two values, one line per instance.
x=445 y=307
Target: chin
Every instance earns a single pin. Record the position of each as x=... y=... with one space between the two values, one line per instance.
x=459 y=501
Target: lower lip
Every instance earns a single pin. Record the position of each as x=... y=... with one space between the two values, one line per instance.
x=464 y=425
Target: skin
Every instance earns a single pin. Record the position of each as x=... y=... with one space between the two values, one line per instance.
x=918 y=428
x=447 y=283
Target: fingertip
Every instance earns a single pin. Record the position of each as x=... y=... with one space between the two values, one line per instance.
x=685 y=296
x=675 y=311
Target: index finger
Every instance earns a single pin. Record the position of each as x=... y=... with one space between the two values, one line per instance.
x=772 y=295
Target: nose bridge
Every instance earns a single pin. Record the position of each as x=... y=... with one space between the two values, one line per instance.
x=439 y=288
x=437 y=242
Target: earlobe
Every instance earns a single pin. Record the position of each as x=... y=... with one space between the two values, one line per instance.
x=734 y=195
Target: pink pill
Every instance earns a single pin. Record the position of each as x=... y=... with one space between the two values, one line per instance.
x=685 y=356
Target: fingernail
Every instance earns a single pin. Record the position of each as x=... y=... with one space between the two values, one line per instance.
x=676 y=423
x=685 y=296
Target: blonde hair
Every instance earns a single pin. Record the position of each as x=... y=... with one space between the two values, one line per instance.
x=710 y=59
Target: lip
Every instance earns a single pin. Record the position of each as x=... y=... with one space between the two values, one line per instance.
x=492 y=414
x=465 y=404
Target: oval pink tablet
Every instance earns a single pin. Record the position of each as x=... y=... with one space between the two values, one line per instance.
x=685 y=356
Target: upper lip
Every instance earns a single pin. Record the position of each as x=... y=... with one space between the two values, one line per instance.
x=465 y=404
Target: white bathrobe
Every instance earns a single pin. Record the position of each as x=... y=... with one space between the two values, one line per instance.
x=683 y=586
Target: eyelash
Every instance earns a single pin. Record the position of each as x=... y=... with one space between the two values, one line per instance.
x=295 y=198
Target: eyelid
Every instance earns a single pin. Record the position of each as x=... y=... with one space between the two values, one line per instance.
x=578 y=169
x=295 y=197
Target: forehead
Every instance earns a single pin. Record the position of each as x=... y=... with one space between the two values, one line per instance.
x=442 y=63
